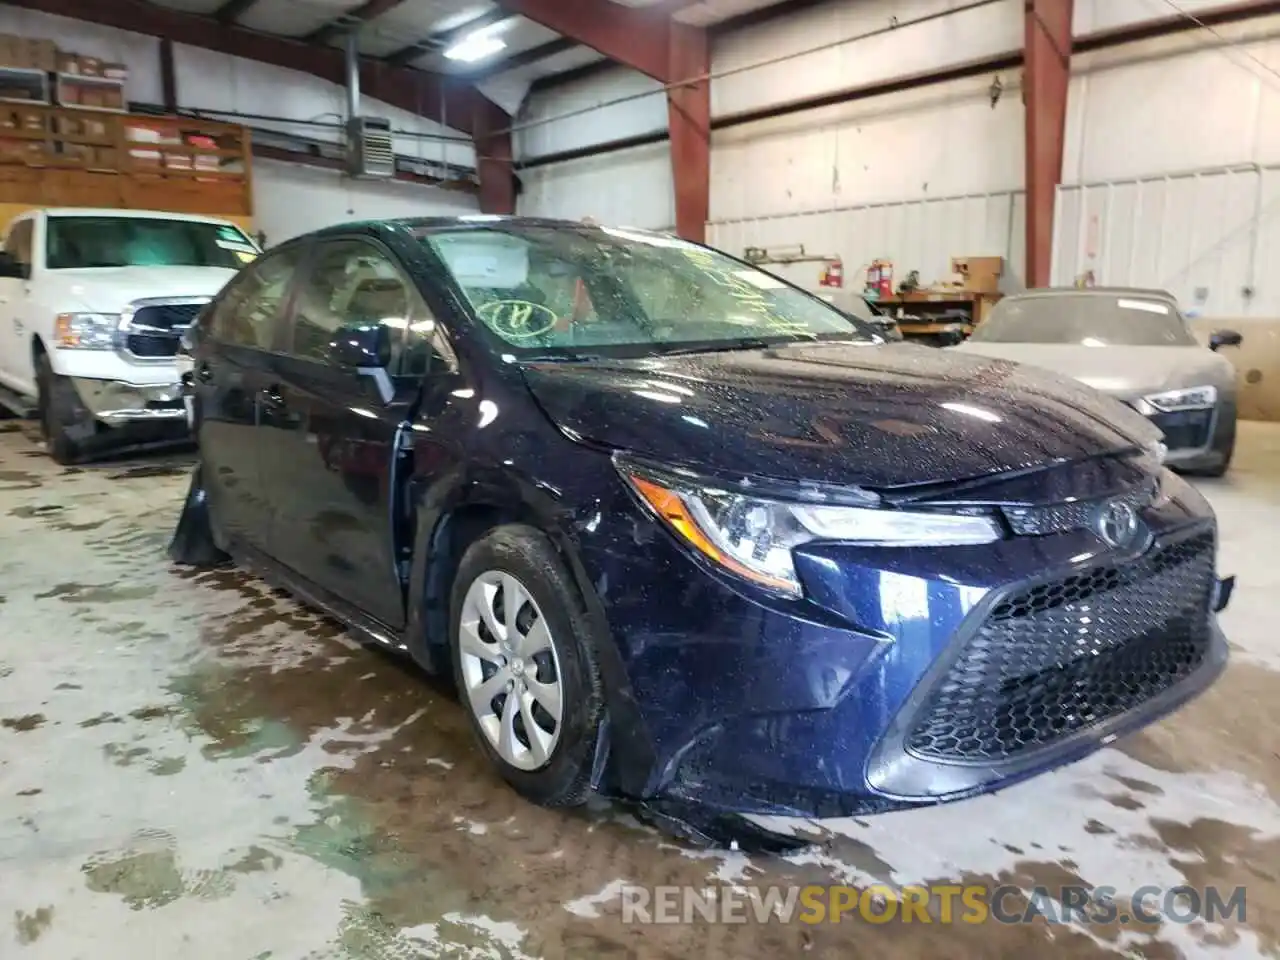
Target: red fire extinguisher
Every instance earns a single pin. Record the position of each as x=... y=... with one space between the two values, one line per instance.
x=832 y=274
x=880 y=280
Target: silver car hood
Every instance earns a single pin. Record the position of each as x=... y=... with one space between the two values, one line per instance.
x=1124 y=372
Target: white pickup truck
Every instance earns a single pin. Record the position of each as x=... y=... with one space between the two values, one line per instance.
x=93 y=304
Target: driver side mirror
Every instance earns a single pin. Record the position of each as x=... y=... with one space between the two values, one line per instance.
x=361 y=346
x=13 y=269
x=1225 y=338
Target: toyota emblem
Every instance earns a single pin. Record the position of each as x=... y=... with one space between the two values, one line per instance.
x=1117 y=524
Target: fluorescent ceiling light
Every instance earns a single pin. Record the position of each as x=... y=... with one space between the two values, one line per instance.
x=476 y=46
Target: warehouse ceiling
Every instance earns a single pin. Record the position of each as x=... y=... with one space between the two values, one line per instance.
x=427 y=34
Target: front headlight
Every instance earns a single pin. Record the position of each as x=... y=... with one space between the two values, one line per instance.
x=86 y=331
x=753 y=535
x=1171 y=401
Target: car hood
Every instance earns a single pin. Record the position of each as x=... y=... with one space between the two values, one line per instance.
x=1124 y=372
x=108 y=289
x=878 y=416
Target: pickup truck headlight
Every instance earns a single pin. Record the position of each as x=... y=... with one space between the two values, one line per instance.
x=753 y=535
x=86 y=331
x=1171 y=401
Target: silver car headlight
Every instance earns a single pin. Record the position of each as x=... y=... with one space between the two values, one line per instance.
x=86 y=331
x=1171 y=401
x=753 y=535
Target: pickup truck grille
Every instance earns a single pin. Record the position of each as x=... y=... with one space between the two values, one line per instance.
x=155 y=328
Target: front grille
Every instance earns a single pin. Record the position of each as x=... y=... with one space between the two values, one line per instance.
x=156 y=330
x=1185 y=429
x=1054 y=658
x=1061 y=517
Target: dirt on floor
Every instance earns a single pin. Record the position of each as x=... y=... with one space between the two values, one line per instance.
x=193 y=764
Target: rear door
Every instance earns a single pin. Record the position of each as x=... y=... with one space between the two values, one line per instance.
x=333 y=466
x=233 y=369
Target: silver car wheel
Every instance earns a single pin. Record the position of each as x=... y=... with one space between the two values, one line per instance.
x=510 y=670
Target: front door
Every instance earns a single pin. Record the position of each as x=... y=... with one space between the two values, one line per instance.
x=334 y=475
x=16 y=330
x=233 y=370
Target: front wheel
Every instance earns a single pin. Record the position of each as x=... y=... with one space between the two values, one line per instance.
x=56 y=403
x=525 y=664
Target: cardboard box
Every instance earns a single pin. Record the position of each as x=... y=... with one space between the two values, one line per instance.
x=90 y=66
x=115 y=71
x=70 y=127
x=13 y=51
x=69 y=63
x=69 y=94
x=42 y=55
x=88 y=96
x=111 y=98
x=106 y=157
x=979 y=274
x=94 y=129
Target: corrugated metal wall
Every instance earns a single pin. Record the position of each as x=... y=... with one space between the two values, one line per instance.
x=916 y=235
x=1211 y=237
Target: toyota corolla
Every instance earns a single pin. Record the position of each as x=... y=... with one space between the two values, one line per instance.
x=681 y=531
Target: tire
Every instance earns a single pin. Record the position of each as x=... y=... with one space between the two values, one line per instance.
x=52 y=404
x=519 y=558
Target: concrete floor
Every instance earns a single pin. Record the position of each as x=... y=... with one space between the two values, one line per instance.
x=192 y=765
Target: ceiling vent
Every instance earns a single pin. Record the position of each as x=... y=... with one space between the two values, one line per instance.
x=370 y=150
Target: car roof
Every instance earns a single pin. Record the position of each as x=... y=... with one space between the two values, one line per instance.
x=133 y=214
x=1149 y=293
x=477 y=220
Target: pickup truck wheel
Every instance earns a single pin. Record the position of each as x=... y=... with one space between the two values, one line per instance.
x=525 y=665
x=52 y=406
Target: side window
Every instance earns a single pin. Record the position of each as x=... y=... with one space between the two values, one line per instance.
x=351 y=281
x=18 y=242
x=248 y=312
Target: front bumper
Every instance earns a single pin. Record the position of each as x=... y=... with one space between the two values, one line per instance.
x=119 y=403
x=1196 y=439
x=815 y=707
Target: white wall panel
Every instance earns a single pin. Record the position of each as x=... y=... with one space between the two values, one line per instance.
x=1091 y=16
x=290 y=199
x=1212 y=238
x=1172 y=154
x=917 y=234
x=939 y=141
x=631 y=187
x=932 y=45
x=540 y=133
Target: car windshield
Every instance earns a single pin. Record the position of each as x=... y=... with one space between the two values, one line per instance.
x=565 y=290
x=85 y=242
x=1090 y=320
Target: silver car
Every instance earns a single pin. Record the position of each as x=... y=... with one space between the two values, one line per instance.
x=1134 y=345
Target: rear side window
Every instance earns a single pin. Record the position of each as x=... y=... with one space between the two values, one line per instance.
x=355 y=282
x=248 y=312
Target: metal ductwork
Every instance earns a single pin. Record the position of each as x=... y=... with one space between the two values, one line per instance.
x=370 y=148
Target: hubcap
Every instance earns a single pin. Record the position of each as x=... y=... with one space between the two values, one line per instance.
x=510 y=670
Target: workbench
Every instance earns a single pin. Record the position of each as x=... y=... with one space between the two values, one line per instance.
x=938 y=310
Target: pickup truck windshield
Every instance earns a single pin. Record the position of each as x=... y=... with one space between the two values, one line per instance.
x=562 y=290
x=85 y=242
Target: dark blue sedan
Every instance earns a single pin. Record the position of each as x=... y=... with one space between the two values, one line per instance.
x=683 y=533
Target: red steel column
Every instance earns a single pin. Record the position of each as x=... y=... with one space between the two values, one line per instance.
x=1046 y=73
x=689 y=123
x=494 y=161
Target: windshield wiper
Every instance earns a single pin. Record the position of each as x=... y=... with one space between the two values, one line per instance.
x=722 y=347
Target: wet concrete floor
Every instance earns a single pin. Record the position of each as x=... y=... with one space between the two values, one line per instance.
x=193 y=765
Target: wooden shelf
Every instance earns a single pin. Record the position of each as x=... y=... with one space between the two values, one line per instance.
x=84 y=156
